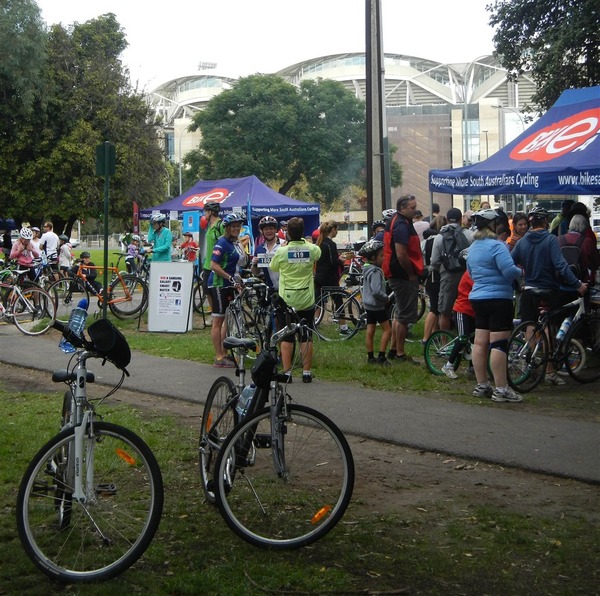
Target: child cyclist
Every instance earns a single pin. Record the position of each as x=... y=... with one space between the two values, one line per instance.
x=375 y=299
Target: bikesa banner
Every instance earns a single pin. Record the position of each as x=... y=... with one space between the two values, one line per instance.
x=558 y=154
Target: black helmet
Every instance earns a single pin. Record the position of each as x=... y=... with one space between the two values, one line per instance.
x=212 y=206
x=538 y=213
x=370 y=248
x=85 y=255
x=378 y=223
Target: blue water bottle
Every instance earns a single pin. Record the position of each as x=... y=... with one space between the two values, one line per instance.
x=245 y=400
x=76 y=324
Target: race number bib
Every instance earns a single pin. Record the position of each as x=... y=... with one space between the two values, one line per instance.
x=298 y=255
x=264 y=259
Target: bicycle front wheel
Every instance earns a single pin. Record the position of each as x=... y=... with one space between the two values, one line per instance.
x=294 y=483
x=75 y=541
x=586 y=332
x=337 y=316
x=66 y=293
x=218 y=420
x=32 y=310
x=437 y=351
x=128 y=297
x=527 y=356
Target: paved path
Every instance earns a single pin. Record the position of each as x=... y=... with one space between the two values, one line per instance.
x=501 y=434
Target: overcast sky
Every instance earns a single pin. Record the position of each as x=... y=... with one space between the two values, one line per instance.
x=243 y=37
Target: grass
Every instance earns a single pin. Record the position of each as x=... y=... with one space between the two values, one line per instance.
x=458 y=546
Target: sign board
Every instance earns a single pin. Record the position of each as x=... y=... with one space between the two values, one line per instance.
x=170 y=307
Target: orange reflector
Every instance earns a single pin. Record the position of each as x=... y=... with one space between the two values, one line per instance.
x=208 y=424
x=319 y=515
x=126 y=457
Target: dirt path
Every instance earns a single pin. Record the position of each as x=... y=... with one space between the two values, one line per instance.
x=392 y=478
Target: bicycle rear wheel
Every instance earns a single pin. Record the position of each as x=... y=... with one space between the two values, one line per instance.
x=66 y=293
x=527 y=356
x=437 y=351
x=284 y=495
x=32 y=309
x=128 y=299
x=334 y=309
x=96 y=540
x=586 y=331
x=218 y=420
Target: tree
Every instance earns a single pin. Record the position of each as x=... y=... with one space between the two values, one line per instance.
x=47 y=168
x=557 y=41
x=267 y=127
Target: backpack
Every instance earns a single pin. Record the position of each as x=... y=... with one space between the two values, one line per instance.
x=454 y=242
x=572 y=254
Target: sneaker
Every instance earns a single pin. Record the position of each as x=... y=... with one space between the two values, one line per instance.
x=345 y=331
x=307 y=377
x=483 y=390
x=383 y=361
x=224 y=363
x=554 y=379
x=506 y=394
x=448 y=370
x=372 y=361
x=407 y=358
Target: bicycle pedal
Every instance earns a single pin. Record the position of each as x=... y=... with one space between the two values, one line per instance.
x=262 y=440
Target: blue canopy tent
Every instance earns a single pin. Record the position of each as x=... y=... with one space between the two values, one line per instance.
x=248 y=195
x=558 y=154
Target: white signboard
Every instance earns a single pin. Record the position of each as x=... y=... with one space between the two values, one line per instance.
x=170 y=307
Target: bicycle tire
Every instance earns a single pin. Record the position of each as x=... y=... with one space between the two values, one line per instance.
x=119 y=520
x=199 y=299
x=527 y=359
x=586 y=331
x=329 y=315
x=422 y=306
x=66 y=293
x=294 y=509
x=437 y=350
x=33 y=310
x=128 y=309
x=218 y=419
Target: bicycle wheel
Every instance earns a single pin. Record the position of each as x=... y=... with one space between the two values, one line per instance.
x=527 y=356
x=294 y=485
x=421 y=305
x=73 y=541
x=199 y=299
x=66 y=293
x=334 y=309
x=32 y=309
x=586 y=331
x=218 y=420
x=128 y=298
x=437 y=351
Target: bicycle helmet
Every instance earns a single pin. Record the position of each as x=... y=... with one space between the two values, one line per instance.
x=538 y=213
x=35 y=229
x=283 y=223
x=388 y=214
x=484 y=218
x=136 y=238
x=63 y=237
x=85 y=255
x=158 y=218
x=232 y=218
x=370 y=248
x=212 y=206
x=268 y=221
x=26 y=233
x=378 y=223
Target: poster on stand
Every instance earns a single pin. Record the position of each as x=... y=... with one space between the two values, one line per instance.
x=170 y=307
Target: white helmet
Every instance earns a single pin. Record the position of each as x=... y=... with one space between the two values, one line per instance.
x=26 y=233
x=136 y=238
x=158 y=217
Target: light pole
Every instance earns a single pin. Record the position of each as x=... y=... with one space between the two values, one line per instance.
x=516 y=111
x=487 y=147
x=180 y=160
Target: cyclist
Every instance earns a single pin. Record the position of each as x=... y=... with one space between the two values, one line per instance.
x=375 y=299
x=65 y=255
x=214 y=229
x=189 y=247
x=493 y=273
x=161 y=238
x=24 y=251
x=49 y=243
x=228 y=257
x=133 y=254
x=378 y=228
x=263 y=253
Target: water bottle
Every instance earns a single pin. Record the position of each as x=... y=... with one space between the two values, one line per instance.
x=564 y=328
x=245 y=400
x=76 y=324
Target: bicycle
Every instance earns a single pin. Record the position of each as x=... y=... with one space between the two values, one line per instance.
x=443 y=344
x=127 y=294
x=336 y=307
x=91 y=499
x=282 y=476
x=29 y=306
x=531 y=346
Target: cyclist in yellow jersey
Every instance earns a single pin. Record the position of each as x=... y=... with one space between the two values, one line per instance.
x=295 y=264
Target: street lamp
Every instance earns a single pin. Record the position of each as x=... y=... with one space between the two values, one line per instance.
x=487 y=147
x=503 y=122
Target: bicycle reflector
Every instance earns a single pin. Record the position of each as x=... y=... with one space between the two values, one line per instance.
x=110 y=343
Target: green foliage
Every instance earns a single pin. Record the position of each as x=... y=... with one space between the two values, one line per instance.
x=47 y=167
x=558 y=41
x=269 y=128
